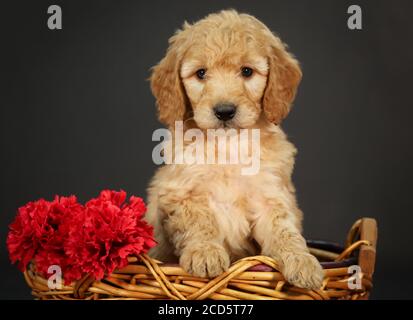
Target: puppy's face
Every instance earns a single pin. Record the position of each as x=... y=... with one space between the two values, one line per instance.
x=225 y=71
x=225 y=83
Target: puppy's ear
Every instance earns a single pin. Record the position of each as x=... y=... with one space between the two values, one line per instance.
x=167 y=87
x=283 y=79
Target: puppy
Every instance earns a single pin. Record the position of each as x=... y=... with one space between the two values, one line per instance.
x=229 y=71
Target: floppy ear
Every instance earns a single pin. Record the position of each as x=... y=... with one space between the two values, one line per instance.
x=283 y=79
x=167 y=87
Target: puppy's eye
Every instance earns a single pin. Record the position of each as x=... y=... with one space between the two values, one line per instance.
x=201 y=74
x=246 y=72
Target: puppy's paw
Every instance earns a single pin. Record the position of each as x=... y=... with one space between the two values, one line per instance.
x=205 y=259
x=303 y=270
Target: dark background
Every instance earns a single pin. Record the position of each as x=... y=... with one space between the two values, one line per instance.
x=77 y=113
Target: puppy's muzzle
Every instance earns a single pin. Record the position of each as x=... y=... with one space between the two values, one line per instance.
x=225 y=111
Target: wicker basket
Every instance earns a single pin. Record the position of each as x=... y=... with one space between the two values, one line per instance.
x=252 y=278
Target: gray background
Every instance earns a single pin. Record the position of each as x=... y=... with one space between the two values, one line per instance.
x=77 y=114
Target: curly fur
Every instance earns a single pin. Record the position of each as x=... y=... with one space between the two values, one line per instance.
x=209 y=215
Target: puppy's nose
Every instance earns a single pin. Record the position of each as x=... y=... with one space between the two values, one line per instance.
x=225 y=111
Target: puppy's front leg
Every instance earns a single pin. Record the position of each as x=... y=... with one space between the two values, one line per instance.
x=280 y=238
x=194 y=232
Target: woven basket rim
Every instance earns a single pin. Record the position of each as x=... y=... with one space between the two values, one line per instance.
x=253 y=277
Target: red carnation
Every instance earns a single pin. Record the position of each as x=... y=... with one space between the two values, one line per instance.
x=37 y=232
x=92 y=239
x=102 y=236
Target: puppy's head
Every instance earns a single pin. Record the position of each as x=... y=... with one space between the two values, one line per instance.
x=225 y=71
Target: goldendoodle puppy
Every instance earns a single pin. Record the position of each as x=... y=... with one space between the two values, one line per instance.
x=229 y=71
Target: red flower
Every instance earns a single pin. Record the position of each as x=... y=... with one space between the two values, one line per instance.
x=37 y=231
x=92 y=239
x=108 y=231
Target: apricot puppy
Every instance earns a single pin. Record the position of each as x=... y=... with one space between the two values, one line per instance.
x=229 y=71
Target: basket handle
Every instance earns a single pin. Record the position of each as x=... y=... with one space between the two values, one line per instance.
x=367 y=253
